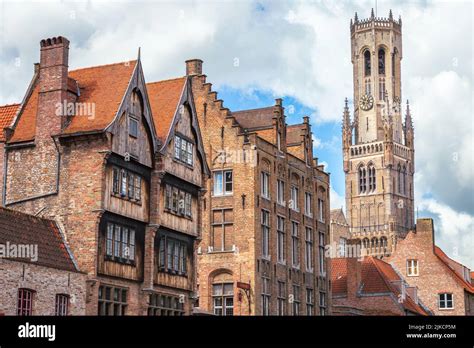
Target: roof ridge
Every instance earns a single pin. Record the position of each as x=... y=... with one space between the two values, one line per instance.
x=246 y=110
x=167 y=80
x=8 y=105
x=453 y=271
x=103 y=65
x=16 y=212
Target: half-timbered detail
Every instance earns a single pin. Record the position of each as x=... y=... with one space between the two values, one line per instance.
x=181 y=173
x=122 y=177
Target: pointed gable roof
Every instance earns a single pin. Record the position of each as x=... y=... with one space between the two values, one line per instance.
x=164 y=99
x=102 y=86
x=377 y=277
x=449 y=263
x=7 y=113
x=19 y=228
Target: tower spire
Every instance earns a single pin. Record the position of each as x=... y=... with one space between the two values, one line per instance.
x=372 y=15
x=408 y=119
x=390 y=15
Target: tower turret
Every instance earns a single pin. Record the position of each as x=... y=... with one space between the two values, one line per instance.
x=378 y=160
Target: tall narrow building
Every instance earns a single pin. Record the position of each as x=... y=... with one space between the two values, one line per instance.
x=378 y=146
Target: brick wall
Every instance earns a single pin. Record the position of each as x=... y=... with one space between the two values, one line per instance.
x=434 y=277
x=46 y=282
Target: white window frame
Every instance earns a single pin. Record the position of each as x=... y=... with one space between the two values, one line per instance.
x=265 y=221
x=445 y=300
x=413 y=268
x=309 y=245
x=295 y=244
x=295 y=192
x=221 y=191
x=320 y=210
x=281 y=252
x=265 y=184
x=281 y=192
x=308 y=204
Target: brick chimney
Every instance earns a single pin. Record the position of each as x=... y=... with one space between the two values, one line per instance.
x=425 y=232
x=353 y=276
x=53 y=86
x=193 y=67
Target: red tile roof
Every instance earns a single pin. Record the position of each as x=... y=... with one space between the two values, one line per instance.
x=377 y=277
x=104 y=86
x=459 y=277
x=19 y=228
x=164 y=97
x=7 y=113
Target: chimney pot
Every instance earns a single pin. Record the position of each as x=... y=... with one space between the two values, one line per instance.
x=193 y=67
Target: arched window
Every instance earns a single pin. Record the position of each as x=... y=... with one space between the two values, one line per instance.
x=374 y=244
x=367 y=66
x=399 y=179
x=372 y=179
x=223 y=294
x=404 y=180
x=381 y=61
x=362 y=179
x=383 y=244
x=366 y=243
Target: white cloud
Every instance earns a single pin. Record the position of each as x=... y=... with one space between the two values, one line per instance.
x=337 y=201
x=290 y=48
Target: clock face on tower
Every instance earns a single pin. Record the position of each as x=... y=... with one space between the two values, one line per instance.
x=366 y=102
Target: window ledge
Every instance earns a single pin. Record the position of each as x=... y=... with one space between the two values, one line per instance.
x=223 y=195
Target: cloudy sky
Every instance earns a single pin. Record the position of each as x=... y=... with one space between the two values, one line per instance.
x=256 y=51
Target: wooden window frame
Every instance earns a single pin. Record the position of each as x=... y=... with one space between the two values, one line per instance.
x=25 y=301
x=119 y=237
x=109 y=304
x=62 y=304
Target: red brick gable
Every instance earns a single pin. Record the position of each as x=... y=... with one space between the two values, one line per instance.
x=103 y=85
x=459 y=278
x=19 y=228
x=377 y=277
x=293 y=134
x=7 y=113
x=164 y=97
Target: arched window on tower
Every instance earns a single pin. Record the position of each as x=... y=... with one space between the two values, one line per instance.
x=399 y=178
x=371 y=174
x=362 y=179
x=381 y=61
x=367 y=66
x=404 y=180
x=366 y=243
x=383 y=244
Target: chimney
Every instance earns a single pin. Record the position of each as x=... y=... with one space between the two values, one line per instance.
x=425 y=231
x=353 y=276
x=53 y=85
x=193 y=67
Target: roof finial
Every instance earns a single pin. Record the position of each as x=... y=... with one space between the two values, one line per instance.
x=356 y=18
x=372 y=15
x=139 y=53
x=400 y=19
x=390 y=15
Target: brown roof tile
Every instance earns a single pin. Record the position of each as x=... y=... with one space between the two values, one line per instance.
x=254 y=118
x=20 y=228
x=104 y=86
x=7 y=113
x=377 y=276
x=164 y=97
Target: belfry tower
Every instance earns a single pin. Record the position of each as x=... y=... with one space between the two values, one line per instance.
x=378 y=147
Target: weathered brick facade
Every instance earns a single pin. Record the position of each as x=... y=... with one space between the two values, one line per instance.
x=436 y=273
x=231 y=249
x=102 y=177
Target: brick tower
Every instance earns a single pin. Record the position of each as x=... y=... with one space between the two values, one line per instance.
x=378 y=147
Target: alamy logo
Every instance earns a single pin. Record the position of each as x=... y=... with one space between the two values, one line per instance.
x=37 y=331
x=21 y=251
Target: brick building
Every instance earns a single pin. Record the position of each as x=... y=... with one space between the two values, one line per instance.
x=120 y=170
x=265 y=211
x=38 y=273
x=371 y=287
x=444 y=285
